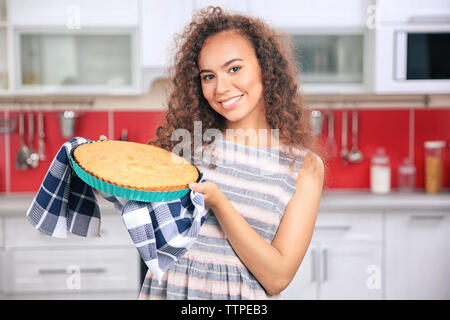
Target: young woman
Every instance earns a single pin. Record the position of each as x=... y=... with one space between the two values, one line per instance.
x=234 y=73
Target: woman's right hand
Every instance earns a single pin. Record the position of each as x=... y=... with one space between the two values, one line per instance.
x=103 y=137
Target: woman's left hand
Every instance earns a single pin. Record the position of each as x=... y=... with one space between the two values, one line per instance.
x=210 y=191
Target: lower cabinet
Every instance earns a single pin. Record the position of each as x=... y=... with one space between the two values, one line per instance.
x=305 y=285
x=344 y=260
x=36 y=266
x=350 y=270
x=418 y=255
x=2 y=273
x=71 y=270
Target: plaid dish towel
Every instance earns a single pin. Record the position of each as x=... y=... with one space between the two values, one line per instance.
x=161 y=231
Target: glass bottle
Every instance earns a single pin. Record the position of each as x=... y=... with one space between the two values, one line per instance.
x=433 y=165
x=406 y=176
x=380 y=172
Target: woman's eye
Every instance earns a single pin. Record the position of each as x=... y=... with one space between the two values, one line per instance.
x=208 y=77
x=234 y=69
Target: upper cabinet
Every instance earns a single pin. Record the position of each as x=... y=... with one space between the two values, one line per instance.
x=333 y=61
x=314 y=14
x=4 y=47
x=403 y=11
x=120 y=47
x=330 y=38
x=74 y=14
x=73 y=47
x=55 y=61
x=161 y=21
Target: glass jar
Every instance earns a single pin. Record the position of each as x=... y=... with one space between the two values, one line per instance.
x=433 y=165
x=380 y=172
x=406 y=176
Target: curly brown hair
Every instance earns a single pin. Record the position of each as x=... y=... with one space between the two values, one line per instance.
x=284 y=110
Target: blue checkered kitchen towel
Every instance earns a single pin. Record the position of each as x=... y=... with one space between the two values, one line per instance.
x=161 y=231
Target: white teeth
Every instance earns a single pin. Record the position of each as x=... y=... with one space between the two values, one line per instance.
x=230 y=102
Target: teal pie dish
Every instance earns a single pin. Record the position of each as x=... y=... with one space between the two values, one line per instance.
x=127 y=193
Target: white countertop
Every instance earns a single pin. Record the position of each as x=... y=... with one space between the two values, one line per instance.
x=339 y=200
x=350 y=200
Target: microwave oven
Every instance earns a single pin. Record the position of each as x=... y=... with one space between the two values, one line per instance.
x=412 y=58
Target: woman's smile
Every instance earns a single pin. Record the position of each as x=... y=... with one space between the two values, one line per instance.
x=231 y=103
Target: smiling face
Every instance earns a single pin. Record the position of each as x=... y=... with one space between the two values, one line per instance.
x=231 y=80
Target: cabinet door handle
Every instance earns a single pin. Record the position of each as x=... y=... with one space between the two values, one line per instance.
x=341 y=228
x=64 y=271
x=313 y=265
x=325 y=264
x=427 y=217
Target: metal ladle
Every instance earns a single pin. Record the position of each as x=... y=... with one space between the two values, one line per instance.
x=330 y=144
x=355 y=155
x=344 y=151
x=24 y=152
x=33 y=157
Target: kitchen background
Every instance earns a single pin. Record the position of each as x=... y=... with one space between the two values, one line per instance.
x=374 y=71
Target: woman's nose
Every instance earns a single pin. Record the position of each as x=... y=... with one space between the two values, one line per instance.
x=223 y=85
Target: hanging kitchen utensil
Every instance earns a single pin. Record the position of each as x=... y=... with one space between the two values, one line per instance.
x=67 y=122
x=22 y=155
x=124 y=135
x=316 y=119
x=355 y=155
x=330 y=145
x=41 y=134
x=33 y=157
x=344 y=150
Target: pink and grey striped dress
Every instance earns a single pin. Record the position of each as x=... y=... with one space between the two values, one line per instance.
x=259 y=184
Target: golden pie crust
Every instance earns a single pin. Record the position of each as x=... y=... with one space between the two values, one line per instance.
x=135 y=165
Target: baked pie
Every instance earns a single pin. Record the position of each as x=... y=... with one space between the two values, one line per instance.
x=135 y=165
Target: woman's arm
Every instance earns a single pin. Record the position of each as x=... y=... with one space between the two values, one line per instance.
x=275 y=264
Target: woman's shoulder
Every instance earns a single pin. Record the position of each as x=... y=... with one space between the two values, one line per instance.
x=305 y=162
x=312 y=165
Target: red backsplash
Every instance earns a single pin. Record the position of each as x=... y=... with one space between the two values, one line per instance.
x=377 y=128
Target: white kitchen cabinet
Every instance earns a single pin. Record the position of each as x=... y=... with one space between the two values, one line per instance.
x=332 y=44
x=417 y=255
x=333 y=61
x=344 y=260
x=3 y=59
x=305 y=285
x=19 y=233
x=2 y=261
x=111 y=295
x=160 y=21
x=401 y=11
x=2 y=273
x=312 y=13
x=71 y=270
x=86 y=61
x=234 y=6
x=74 y=13
x=350 y=270
x=36 y=266
x=2 y=233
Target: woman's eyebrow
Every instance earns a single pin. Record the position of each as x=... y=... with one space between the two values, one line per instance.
x=224 y=65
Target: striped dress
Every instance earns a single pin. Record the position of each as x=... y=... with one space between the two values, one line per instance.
x=259 y=183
